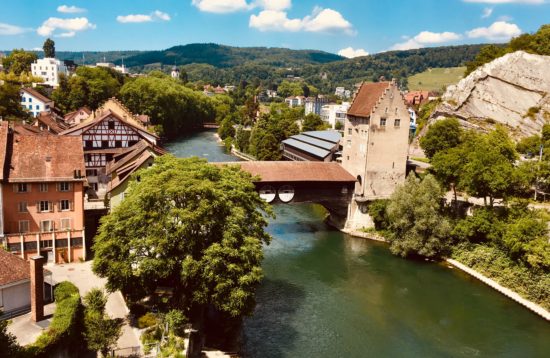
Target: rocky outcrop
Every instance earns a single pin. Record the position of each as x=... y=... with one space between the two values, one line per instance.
x=513 y=90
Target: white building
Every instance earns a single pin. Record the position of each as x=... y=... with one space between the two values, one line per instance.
x=314 y=105
x=49 y=70
x=333 y=113
x=340 y=91
x=35 y=102
x=295 y=101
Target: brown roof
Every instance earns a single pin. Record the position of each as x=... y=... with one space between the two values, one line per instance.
x=4 y=129
x=126 y=171
x=128 y=156
x=48 y=120
x=73 y=114
x=417 y=95
x=296 y=171
x=36 y=94
x=12 y=268
x=367 y=98
x=46 y=158
x=25 y=129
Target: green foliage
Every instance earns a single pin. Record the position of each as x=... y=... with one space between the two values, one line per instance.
x=176 y=322
x=208 y=250
x=496 y=264
x=8 y=342
x=436 y=79
x=288 y=88
x=378 y=211
x=95 y=300
x=339 y=126
x=313 y=122
x=65 y=327
x=417 y=226
x=168 y=103
x=19 y=61
x=228 y=144
x=242 y=139
x=532 y=112
x=441 y=135
x=226 y=129
x=10 y=103
x=529 y=145
x=49 y=48
x=147 y=320
x=101 y=333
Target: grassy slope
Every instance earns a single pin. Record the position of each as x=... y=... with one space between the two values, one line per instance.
x=435 y=79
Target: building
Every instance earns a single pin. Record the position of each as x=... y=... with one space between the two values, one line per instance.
x=314 y=105
x=417 y=98
x=315 y=146
x=15 y=284
x=123 y=165
x=295 y=101
x=50 y=122
x=35 y=102
x=375 y=143
x=340 y=92
x=175 y=73
x=115 y=106
x=270 y=93
x=43 y=196
x=335 y=113
x=103 y=138
x=49 y=69
x=77 y=117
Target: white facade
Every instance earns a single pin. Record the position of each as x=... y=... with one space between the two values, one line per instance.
x=49 y=70
x=333 y=113
x=34 y=104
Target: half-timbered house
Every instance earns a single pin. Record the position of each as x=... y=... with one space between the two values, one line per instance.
x=102 y=139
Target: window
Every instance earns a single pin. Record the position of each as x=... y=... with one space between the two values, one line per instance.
x=37 y=107
x=104 y=144
x=43 y=187
x=30 y=99
x=349 y=131
x=46 y=226
x=111 y=124
x=91 y=172
x=46 y=243
x=22 y=187
x=44 y=206
x=23 y=226
x=24 y=99
x=64 y=186
x=88 y=144
x=22 y=206
x=47 y=106
x=30 y=106
x=65 y=224
x=382 y=122
x=64 y=205
x=349 y=143
x=397 y=123
x=118 y=144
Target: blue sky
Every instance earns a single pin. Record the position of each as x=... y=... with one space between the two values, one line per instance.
x=352 y=27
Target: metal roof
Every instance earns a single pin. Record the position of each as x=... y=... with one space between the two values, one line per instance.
x=314 y=141
x=330 y=136
x=308 y=148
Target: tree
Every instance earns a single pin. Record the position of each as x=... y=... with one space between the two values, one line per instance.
x=10 y=103
x=49 y=48
x=447 y=167
x=19 y=61
x=226 y=129
x=8 y=342
x=416 y=224
x=441 y=135
x=189 y=225
x=101 y=332
x=313 y=122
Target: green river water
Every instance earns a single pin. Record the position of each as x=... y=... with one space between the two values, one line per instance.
x=326 y=294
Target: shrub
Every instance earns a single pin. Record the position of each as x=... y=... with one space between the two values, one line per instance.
x=147 y=320
x=377 y=211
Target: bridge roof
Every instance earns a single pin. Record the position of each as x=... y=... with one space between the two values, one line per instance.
x=270 y=172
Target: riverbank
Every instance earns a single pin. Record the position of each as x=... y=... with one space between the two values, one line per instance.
x=532 y=306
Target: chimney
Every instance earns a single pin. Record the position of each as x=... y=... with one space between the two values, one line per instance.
x=37 y=288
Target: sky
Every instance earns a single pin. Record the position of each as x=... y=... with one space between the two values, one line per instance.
x=348 y=27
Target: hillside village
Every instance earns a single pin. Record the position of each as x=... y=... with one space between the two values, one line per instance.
x=83 y=151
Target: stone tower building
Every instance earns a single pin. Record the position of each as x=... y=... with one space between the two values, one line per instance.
x=376 y=140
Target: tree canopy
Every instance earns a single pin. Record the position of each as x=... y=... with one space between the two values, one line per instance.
x=189 y=225
x=10 y=103
x=19 y=61
x=49 y=48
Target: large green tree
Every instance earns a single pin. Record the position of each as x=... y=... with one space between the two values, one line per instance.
x=19 y=61
x=191 y=226
x=313 y=122
x=417 y=226
x=10 y=103
x=49 y=48
x=442 y=135
x=101 y=332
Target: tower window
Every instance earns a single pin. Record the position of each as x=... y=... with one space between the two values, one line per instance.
x=382 y=122
x=397 y=123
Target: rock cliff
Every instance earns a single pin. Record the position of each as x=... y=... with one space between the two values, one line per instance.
x=513 y=90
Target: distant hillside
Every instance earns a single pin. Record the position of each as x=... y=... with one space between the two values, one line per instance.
x=436 y=79
x=225 y=56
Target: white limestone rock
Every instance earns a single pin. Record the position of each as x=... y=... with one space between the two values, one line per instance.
x=503 y=91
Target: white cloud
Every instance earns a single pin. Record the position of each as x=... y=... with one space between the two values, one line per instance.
x=274 y=4
x=223 y=6
x=69 y=25
x=67 y=34
x=487 y=12
x=70 y=9
x=350 y=52
x=137 y=18
x=7 y=29
x=321 y=20
x=508 y=1
x=426 y=38
x=498 y=31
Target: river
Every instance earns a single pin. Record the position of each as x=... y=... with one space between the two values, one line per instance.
x=326 y=294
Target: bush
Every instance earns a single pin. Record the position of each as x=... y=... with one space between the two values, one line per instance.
x=147 y=320
x=65 y=327
x=377 y=211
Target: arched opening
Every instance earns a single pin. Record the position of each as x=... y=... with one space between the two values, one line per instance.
x=268 y=193
x=286 y=193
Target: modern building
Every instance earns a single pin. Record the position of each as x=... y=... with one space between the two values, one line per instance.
x=42 y=195
x=35 y=102
x=49 y=69
x=103 y=138
x=375 y=143
x=315 y=146
x=315 y=104
x=334 y=113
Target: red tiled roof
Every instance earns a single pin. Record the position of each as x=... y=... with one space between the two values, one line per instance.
x=46 y=158
x=73 y=114
x=296 y=171
x=367 y=98
x=47 y=119
x=12 y=268
x=36 y=94
x=411 y=96
x=4 y=129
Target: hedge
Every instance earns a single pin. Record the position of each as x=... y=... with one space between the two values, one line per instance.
x=65 y=325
